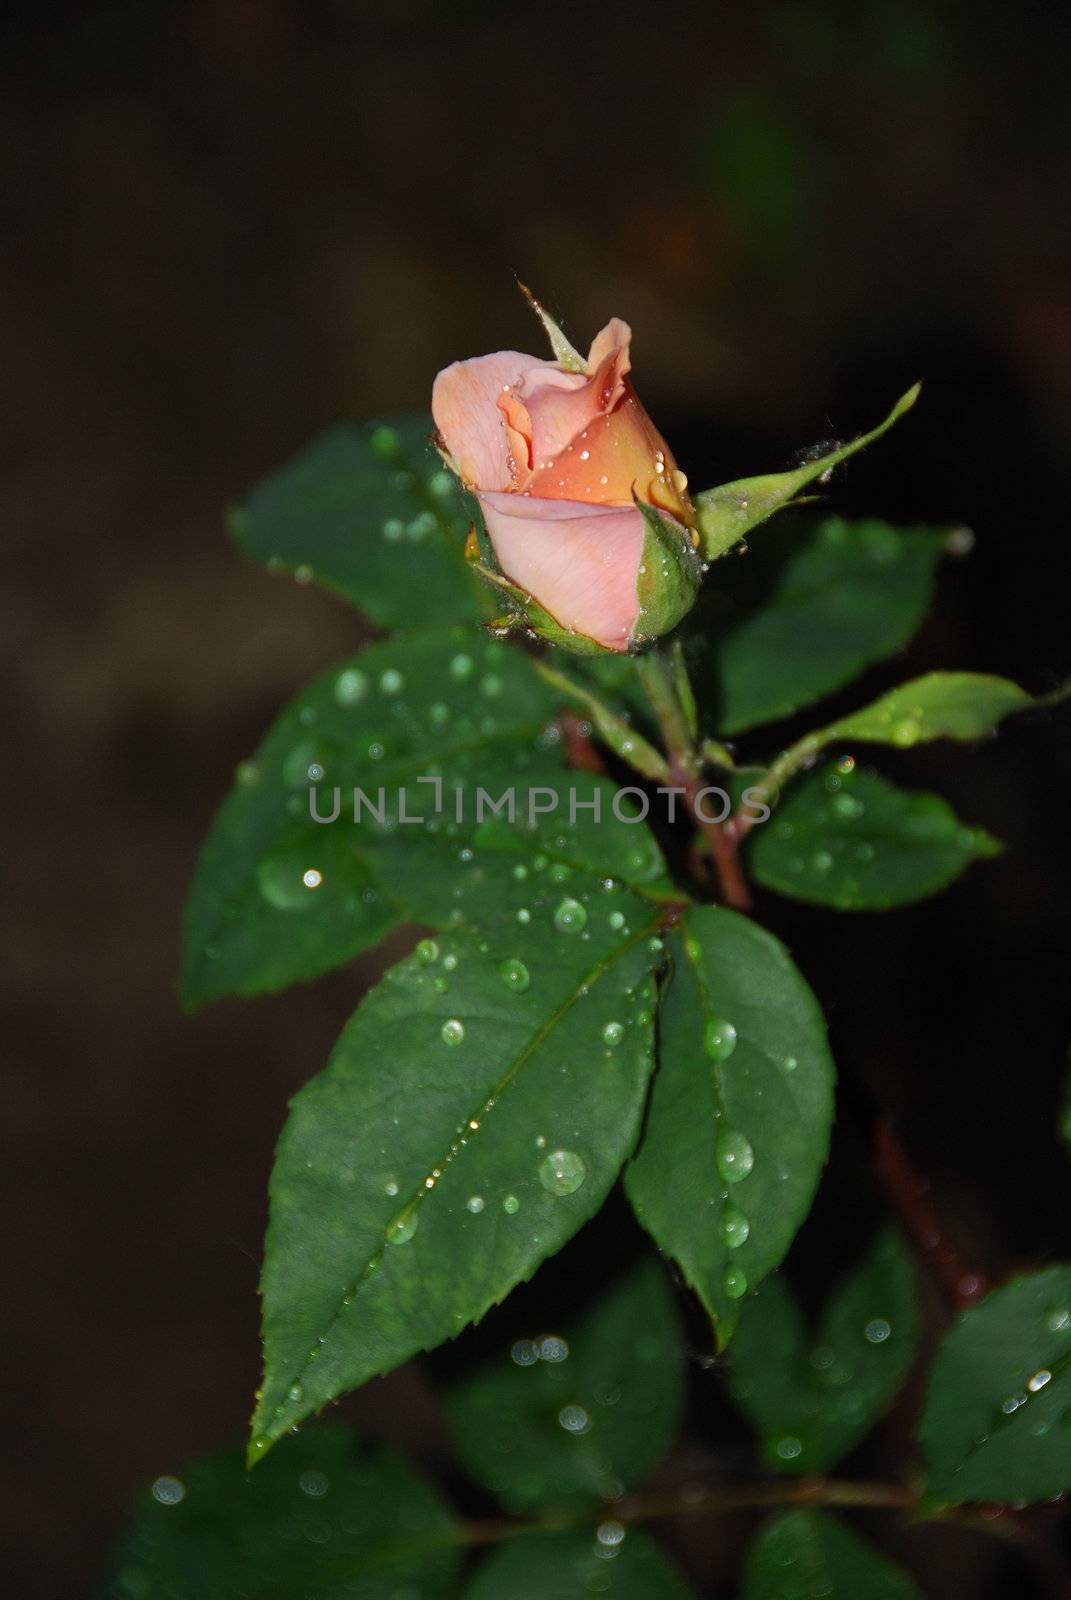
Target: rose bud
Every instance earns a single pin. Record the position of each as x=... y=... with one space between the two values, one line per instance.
x=584 y=505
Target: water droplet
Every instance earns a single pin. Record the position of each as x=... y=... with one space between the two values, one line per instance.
x=616 y=919
x=452 y=1031
x=1058 y=1320
x=304 y=573
x=877 y=1330
x=515 y=976
x=524 y=915
x=461 y=667
x=426 y=952
x=247 y=774
x=351 y=687
x=168 y=1491
x=491 y=685
x=1039 y=1380
x=735 y=1227
x=905 y=731
x=790 y=1063
x=282 y=882
x=524 y=1353
x=314 y=1484
x=312 y=878
x=788 y=1447
x=613 y=1033
x=847 y=806
x=302 y=766
x=384 y=441
x=449 y=961
x=719 y=1037
x=402 y=1229
x=520 y=871
x=391 y=681
x=1012 y=1403
x=733 y=1154
x=295 y=1393
x=574 y=1419
x=511 y=1205
x=821 y=861
x=562 y=1172
x=570 y=916
x=734 y=1283
x=553 y=1349
x=475 y=1204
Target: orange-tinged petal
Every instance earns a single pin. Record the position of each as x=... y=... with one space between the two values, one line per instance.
x=470 y=424
x=617 y=456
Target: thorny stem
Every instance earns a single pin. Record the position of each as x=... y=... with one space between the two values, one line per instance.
x=910 y=1195
x=656 y=673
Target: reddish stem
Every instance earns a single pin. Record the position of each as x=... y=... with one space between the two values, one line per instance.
x=911 y=1196
x=721 y=842
x=579 y=748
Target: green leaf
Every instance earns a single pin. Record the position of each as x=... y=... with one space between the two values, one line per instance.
x=994 y=1423
x=372 y=514
x=474 y=1114
x=941 y=705
x=813 y=603
x=738 y=1125
x=572 y=1566
x=814 y=1393
x=580 y=1414
x=800 y=1554
x=729 y=512
x=326 y=1517
x=448 y=702
x=850 y=839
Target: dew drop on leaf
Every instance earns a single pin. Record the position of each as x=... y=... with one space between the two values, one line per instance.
x=735 y=1227
x=511 y=1205
x=905 y=732
x=426 y=952
x=562 y=1172
x=719 y=1038
x=515 y=975
x=351 y=687
x=570 y=917
x=734 y=1283
x=613 y=1033
x=402 y=1229
x=733 y=1155
x=452 y=1031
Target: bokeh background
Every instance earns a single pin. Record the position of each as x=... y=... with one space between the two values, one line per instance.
x=233 y=221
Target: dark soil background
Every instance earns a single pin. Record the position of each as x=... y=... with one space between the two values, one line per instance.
x=233 y=221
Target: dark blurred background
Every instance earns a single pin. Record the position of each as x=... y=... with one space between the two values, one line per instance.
x=233 y=221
